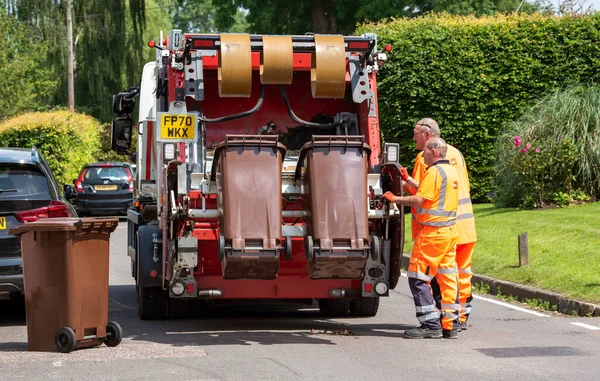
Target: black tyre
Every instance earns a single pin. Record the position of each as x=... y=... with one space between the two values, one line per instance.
x=287 y=249
x=65 y=340
x=221 y=249
x=309 y=248
x=366 y=307
x=375 y=248
x=334 y=307
x=152 y=303
x=114 y=334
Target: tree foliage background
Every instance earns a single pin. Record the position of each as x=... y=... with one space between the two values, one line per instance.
x=342 y=16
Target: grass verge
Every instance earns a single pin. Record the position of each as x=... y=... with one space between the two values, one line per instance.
x=563 y=248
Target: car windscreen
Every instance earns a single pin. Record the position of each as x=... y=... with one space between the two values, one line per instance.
x=106 y=173
x=22 y=182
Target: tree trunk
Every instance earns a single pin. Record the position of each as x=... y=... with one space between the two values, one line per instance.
x=323 y=16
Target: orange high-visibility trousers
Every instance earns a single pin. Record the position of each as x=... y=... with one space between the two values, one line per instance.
x=464 y=253
x=434 y=256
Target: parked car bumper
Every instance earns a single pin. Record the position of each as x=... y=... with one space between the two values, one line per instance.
x=11 y=275
x=100 y=206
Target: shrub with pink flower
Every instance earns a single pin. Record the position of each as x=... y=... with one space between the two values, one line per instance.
x=530 y=172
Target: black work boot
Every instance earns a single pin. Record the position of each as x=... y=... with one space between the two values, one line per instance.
x=423 y=333
x=450 y=334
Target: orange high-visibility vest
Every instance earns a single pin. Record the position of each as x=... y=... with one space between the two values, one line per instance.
x=439 y=189
x=465 y=219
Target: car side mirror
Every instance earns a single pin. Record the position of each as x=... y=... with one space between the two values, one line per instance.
x=121 y=135
x=70 y=192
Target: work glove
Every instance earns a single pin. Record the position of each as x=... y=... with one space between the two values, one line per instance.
x=404 y=174
x=389 y=196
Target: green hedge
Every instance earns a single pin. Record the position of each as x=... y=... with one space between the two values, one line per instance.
x=67 y=140
x=473 y=75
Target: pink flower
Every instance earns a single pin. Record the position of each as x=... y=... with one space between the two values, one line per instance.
x=537 y=150
x=528 y=146
x=517 y=141
x=524 y=150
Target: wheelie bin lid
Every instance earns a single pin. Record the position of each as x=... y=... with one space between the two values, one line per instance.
x=88 y=225
x=250 y=141
x=330 y=141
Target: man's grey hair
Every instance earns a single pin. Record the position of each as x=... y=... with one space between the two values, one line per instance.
x=438 y=144
x=431 y=125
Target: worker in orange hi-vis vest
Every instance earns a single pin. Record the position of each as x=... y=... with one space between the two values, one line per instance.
x=424 y=130
x=434 y=251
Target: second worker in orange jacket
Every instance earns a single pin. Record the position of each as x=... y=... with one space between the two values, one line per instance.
x=426 y=129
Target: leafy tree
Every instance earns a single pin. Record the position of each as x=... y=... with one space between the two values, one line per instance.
x=109 y=45
x=342 y=16
x=25 y=84
x=198 y=16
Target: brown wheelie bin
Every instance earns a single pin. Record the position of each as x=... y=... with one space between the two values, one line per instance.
x=247 y=169
x=65 y=271
x=335 y=184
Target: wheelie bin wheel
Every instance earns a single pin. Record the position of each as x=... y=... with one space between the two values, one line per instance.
x=65 y=340
x=309 y=248
x=288 y=249
x=114 y=334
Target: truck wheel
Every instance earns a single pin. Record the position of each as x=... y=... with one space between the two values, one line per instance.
x=114 y=334
x=287 y=250
x=152 y=303
x=65 y=340
x=375 y=248
x=334 y=307
x=309 y=248
x=366 y=307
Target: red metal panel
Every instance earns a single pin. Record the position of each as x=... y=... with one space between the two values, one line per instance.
x=302 y=61
x=284 y=287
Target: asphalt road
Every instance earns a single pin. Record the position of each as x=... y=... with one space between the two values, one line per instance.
x=504 y=342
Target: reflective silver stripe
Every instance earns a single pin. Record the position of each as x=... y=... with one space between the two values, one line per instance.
x=434 y=212
x=464 y=201
x=430 y=316
x=425 y=309
x=465 y=216
x=465 y=310
x=447 y=271
x=449 y=314
x=443 y=189
x=465 y=271
x=453 y=307
x=416 y=275
x=438 y=224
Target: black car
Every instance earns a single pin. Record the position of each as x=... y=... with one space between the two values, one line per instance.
x=104 y=188
x=28 y=192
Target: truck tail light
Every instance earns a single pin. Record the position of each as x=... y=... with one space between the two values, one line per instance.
x=54 y=210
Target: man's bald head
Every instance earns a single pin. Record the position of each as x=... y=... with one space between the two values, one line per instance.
x=425 y=129
x=431 y=125
x=435 y=149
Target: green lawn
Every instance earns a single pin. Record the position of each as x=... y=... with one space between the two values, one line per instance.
x=564 y=248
